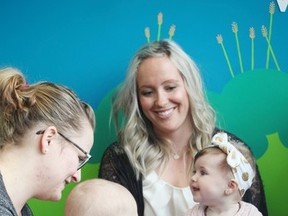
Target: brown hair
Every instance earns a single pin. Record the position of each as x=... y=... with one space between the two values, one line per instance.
x=214 y=150
x=22 y=106
x=240 y=147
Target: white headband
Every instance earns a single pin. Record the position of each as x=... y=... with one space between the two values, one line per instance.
x=241 y=168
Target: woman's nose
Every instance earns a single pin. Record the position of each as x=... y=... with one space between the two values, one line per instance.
x=76 y=177
x=161 y=99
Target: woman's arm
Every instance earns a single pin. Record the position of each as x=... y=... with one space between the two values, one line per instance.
x=115 y=166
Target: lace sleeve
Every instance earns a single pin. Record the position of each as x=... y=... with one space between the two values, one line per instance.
x=115 y=166
x=108 y=167
x=255 y=194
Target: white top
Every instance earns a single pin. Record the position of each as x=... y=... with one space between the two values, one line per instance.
x=163 y=199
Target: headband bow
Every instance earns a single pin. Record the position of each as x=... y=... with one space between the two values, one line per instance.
x=241 y=168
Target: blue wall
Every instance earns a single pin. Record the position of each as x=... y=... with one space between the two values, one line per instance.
x=87 y=46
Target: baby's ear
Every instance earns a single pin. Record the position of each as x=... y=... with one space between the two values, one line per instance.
x=231 y=187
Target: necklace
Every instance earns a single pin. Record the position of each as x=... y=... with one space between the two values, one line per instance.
x=176 y=156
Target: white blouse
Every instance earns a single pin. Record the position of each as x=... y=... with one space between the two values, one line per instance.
x=163 y=199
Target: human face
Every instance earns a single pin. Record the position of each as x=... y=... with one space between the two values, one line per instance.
x=209 y=180
x=63 y=163
x=82 y=159
x=162 y=95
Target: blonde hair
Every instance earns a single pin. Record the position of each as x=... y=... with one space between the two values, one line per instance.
x=144 y=149
x=99 y=197
x=22 y=106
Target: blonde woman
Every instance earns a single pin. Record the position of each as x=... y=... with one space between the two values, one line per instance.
x=167 y=119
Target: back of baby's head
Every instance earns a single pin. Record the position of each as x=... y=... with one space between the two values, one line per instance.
x=100 y=197
x=239 y=158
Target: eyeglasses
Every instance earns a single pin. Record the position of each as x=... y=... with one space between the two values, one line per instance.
x=82 y=160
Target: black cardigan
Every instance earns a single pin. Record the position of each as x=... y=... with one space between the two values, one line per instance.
x=115 y=166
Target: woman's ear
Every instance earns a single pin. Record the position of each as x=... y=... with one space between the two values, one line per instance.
x=47 y=138
x=231 y=187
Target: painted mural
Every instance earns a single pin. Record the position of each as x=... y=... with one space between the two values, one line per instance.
x=241 y=49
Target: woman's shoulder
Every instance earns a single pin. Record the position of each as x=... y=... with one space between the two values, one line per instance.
x=114 y=154
x=114 y=148
x=26 y=211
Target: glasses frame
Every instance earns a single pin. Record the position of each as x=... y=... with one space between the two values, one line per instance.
x=87 y=155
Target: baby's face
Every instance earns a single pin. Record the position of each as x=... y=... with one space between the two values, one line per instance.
x=209 y=179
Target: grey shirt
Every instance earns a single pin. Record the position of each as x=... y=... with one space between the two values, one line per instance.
x=6 y=205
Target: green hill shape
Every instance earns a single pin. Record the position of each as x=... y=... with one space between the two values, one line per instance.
x=273 y=167
x=253 y=105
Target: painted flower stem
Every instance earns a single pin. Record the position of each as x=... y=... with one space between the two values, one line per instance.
x=252 y=36
x=235 y=30
x=220 y=41
x=160 y=21
x=271 y=11
x=264 y=33
x=147 y=34
x=172 y=31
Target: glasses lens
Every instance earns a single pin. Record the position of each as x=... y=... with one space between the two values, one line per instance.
x=84 y=161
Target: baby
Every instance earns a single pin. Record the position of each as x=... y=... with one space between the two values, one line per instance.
x=100 y=197
x=220 y=178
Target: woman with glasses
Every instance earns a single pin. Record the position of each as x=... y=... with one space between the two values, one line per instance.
x=46 y=133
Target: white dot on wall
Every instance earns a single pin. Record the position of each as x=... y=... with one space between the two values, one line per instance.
x=282 y=5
